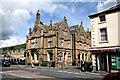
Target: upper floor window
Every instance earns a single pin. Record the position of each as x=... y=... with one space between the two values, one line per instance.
x=102 y=18
x=61 y=43
x=49 y=39
x=103 y=34
x=36 y=43
x=50 y=44
x=68 y=44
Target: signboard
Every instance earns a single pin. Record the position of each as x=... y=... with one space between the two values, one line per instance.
x=113 y=62
x=18 y=56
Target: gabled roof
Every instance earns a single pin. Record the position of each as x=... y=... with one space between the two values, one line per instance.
x=58 y=24
x=112 y=9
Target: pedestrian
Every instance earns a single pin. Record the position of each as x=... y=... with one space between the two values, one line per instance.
x=32 y=65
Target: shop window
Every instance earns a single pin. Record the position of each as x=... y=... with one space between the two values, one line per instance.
x=103 y=34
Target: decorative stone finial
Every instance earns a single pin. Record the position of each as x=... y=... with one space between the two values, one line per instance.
x=81 y=23
x=64 y=17
x=51 y=22
x=38 y=13
x=30 y=31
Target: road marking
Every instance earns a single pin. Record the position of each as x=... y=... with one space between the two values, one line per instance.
x=18 y=75
x=60 y=71
x=70 y=72
x=75 y=73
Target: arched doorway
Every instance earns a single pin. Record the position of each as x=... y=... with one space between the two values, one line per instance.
x=50 y=56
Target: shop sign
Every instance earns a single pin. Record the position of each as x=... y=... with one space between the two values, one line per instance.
x=108 y=50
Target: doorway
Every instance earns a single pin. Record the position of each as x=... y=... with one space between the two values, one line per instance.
x=79 y=59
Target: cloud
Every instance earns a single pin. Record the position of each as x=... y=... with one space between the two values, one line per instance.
x=63 y=6
x=18 y=13
x=10 y=42
x=10 y=19
x=105 y=4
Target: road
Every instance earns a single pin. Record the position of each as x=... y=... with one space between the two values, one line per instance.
x=27 y=72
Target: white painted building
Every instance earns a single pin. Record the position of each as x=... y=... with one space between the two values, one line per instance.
x=105 y=37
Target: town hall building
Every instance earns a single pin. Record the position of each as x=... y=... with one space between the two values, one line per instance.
x=56 y=44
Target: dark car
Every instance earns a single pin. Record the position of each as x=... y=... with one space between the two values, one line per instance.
x=5 y=63
x=112 y=76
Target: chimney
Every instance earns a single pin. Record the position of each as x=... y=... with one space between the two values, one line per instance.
x=51 y=23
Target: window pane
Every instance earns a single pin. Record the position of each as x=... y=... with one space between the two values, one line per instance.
x=102 y=18
x=103 y=33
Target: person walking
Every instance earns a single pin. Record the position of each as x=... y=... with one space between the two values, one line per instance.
x=32 y=65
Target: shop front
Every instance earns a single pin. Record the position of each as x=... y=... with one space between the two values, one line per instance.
x=106 y=59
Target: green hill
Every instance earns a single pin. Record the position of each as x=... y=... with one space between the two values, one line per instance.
x=14 y=47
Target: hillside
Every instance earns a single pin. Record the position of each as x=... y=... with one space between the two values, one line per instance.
x=14 y=47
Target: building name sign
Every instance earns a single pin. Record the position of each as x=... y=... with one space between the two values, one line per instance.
x=104 y=50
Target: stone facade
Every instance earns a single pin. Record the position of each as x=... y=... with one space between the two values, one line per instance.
x=53 y=43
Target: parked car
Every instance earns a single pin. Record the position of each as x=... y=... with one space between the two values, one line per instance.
x=112 y=76
x=5 y=63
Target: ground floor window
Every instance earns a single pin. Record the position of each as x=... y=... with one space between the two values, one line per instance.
x=32 y=56
x=82 y=57
x=85 y=57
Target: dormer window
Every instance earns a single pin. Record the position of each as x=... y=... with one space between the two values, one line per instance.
x=102 y=18
x=50 y=31
x=65 y=32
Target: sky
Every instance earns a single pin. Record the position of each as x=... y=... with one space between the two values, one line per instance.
x=17 y=16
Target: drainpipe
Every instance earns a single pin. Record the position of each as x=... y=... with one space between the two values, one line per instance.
x=57 y=47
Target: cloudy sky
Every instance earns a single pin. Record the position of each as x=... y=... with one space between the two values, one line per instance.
x=16 y=17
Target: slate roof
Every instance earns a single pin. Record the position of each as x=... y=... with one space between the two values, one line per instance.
x=112 y=9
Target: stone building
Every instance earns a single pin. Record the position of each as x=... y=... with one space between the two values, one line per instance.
x=51 y=43
x=81 y=42
x=15 y=55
